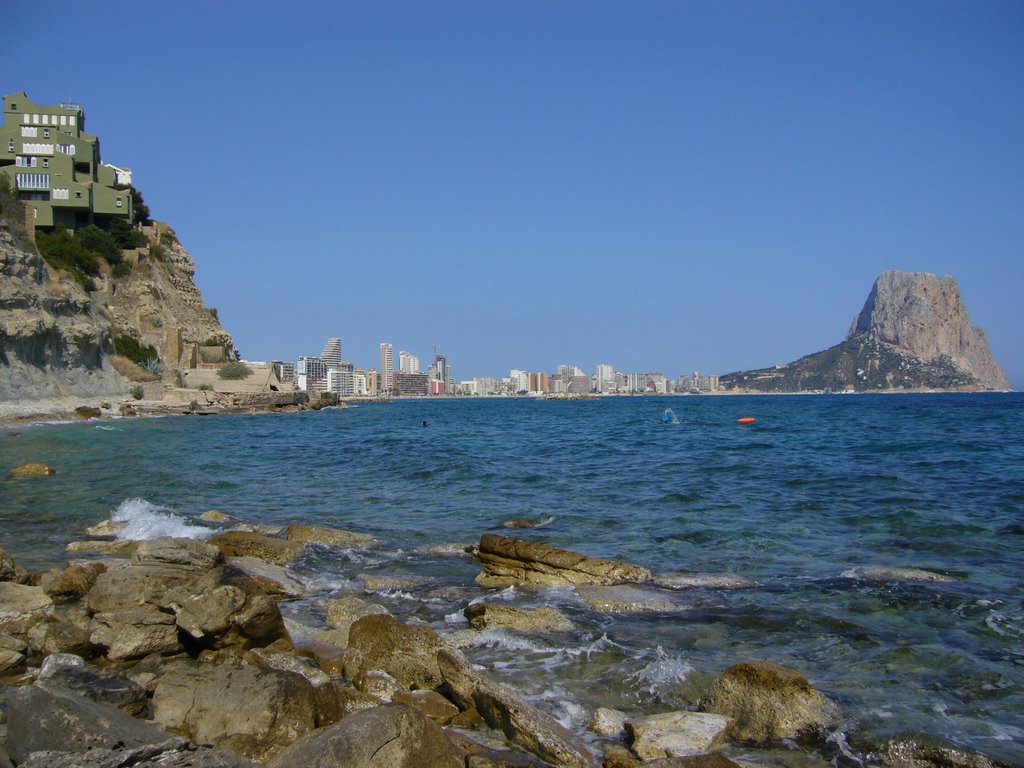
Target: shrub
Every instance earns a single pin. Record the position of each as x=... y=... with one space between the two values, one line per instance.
x=154 y=366
x=158 y=252
x=101 y=242
x=122 y=270
x=125 y=235
x=134 y=350
x=63 y=250
x=136 y=391
x=167 y=237
x=234 y=371
x=205 y=387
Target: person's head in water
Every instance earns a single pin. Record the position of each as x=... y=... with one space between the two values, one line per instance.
x=424 y=423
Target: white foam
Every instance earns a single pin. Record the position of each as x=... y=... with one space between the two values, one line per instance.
x=145 y=520
x=664 y=671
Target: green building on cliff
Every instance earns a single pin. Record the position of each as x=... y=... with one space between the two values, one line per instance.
x=54 y=166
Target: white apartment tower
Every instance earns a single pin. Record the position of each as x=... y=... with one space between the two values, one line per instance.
x=408 y=363
x=387 y=367
x=332 y=353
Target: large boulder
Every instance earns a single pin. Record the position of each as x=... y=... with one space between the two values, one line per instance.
x=255 y=712
x=48 y=637
x=502 y=708
x=767 y=701
x=133 y=634
x=507 y=562
x=344 y=611
x=392 y=736
x=677 y=734
x=22 y=607
x=106 y=684
x=172 y=753
x=182 y=553
x=71 y=583
x=496 y=616
x=246 y=544
x=45 y=716
x=409 y=654
x=130 y=587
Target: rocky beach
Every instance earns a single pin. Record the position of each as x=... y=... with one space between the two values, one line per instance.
x=176 y=652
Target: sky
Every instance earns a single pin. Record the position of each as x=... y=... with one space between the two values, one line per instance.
x=660 y=186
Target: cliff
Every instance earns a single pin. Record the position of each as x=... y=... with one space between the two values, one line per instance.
x=913 y=333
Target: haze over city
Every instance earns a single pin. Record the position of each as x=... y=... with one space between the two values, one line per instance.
x=658 y=186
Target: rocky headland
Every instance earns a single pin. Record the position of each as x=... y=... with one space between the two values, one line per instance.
x=175 y=652
x=912 y=334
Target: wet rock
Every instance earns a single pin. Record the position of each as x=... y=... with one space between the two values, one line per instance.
x=342 y=612
x=133 y=634
x=610 y=723
x=8 y=570
x=677 y=734
x=378 y=684
x=409 y=654
x=45 y=716
x=88 y=412
x=883 y=574
x=701 y=581
x=430 y=703
x=58 y=661
x=108 y=528
x=22 y=607
x=71 y=583
x=172 y=753
x=272 y=579
x=253 y=712
x=11 y=661
x=507 y=561
x=245 y=544
x=334 y=537
x=497 y=616
x=106 y=548
x=627 y=599
x=392 y=736
x=714 y=760
x=106 y=684
x=901 y=754
x=524 y=522
x=330 y=658
x=767 y=701
x=617 y=756
x=288 y=662
x=384 y=583
x=502 y=708
x=214 y=516
x=181 y=553
x=32 y=470
x=48 y=637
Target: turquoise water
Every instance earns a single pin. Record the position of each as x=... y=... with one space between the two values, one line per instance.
x=818 y=486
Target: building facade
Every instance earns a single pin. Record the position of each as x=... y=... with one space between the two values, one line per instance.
x=387 y=368
x=54 y=166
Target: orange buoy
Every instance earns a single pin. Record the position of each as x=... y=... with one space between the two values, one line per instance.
x=747 y=420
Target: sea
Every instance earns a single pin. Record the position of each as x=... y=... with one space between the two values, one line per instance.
x=873 y=542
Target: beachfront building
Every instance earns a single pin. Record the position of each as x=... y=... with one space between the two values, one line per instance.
x=331 y=354
x=408 y=363
x=387 y=368
x=54 y=166
x=411 y=384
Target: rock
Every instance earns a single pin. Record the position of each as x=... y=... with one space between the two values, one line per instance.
x=342 y=612
x=11 y=662
x=45 y=716
x=380 y=685
x=244 y=544
x=430 y=703
x=254 y=712
x=714 y=760
x=8 y=570
x=108 y=548
x=502 y=708
x=272 y=579
x=32 y=470
x=106 y=684
x=617 y=756
x=106 y=528
x=213 y=516
x=48 y=637
x=523 y=522
x=182 y=553
x=409 y=654
x=134 y=586
x=173 y=753
x=627 y=599
x=901 y=754
x=132 y=634
x=884 y=574
x=330 y=658
x=393 y=736
x=508 y=562
x=334 y=537
x=610 y=723
x=677 y=734
x=58 y=661
x=88 y=412
x=22 y=607
x=384 y=583
x=767 y=701
x=71 y=583
x=497 y=616
x=288 y=662
x=701 y=581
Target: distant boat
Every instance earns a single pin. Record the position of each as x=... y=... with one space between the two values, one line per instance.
x=669 y=416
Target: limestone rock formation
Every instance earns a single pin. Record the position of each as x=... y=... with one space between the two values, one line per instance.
x=913 y=333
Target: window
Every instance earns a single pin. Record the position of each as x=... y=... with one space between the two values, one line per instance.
x=71 y=119
x=78 y=195
x=118 y=203
x=10 y=145
x=46 y=162
x=25 y=162
x=27 y=131
x=46 y=133
x=14 y=107
x=63 y=119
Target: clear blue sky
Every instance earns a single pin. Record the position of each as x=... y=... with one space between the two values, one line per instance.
x=657 y=185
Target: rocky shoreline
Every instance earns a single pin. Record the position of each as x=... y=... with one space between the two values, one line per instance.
x=174 y=652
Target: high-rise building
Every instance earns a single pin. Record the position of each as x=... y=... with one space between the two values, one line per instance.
x=604 y=379
x=408 y=363
x=332 y=353
x=387 y=367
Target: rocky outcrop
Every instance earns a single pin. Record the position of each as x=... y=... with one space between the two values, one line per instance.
x=53 y=339
x=406 y=653
x=507 y=561
x=495 y=616
x=913 y=333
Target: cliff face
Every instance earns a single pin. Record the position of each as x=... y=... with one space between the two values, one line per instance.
x=53 y=341
x=913 y=333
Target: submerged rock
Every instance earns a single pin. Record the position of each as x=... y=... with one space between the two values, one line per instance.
x=507 y=562
x=213 y=516
x=334 y=537
x=627 y=599
x=32 y=470
x=108 y=528
x=701 y=580
x=495 y=616
x=767 y=701
x=502 y=708
x=881 y=573
x=245 y=544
